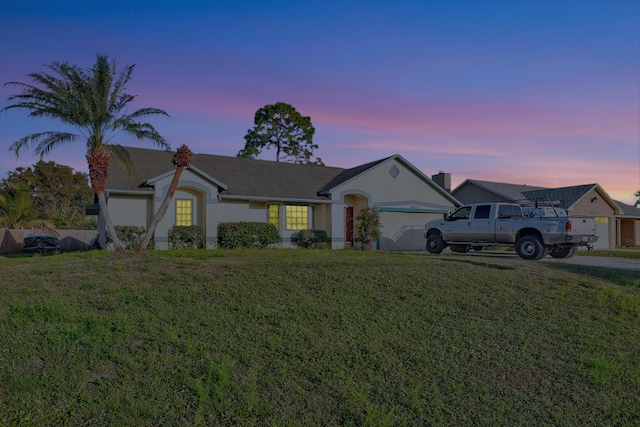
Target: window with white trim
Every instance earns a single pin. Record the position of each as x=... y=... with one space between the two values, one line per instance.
x=184 y=212
x=297 y=217
x=274 y=215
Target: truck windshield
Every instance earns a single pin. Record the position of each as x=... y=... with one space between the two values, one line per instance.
x=462 y=213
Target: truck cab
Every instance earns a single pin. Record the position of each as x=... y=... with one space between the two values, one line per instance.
x=479 y=223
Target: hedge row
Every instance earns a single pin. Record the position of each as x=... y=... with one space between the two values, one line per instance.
x=233 y=235
x=311 y=238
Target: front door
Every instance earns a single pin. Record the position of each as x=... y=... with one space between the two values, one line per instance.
x=348 y=224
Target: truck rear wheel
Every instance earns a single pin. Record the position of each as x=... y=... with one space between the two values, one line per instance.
x=435 y=244
x=461 y=249
x=564 y=252
x=531 y=248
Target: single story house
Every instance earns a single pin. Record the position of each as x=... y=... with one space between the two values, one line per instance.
x=618 y=224
x=215 y=189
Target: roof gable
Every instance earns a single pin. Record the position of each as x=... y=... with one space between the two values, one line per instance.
x=349 y=174
x=150 y=182
x=357 y=171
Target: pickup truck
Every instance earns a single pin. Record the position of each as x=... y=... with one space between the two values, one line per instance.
x=484 y=224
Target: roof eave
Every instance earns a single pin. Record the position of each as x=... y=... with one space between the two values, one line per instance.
x=275 y=199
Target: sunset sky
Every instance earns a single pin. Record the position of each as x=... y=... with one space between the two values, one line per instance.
x=543 y=93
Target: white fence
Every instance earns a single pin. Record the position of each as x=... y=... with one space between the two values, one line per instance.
x=11 y=241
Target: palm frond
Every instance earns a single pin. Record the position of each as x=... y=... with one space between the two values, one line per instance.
x=142 y=131
x=52 y=138
x=142 y=112
x=122 y=156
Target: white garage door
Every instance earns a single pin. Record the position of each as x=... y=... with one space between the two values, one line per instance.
x=602 y=231
x=403 y=230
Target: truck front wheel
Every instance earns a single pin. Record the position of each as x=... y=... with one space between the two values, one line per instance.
x=530 y=248
x=435 y=244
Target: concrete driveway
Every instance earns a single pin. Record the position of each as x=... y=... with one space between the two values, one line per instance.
x=600 y=261
x=590 y=261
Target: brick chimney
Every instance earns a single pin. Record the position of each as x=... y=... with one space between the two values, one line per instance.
x=443 y=179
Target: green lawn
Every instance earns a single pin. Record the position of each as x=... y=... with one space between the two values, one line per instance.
x=315 y=337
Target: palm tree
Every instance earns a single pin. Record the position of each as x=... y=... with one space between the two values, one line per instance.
x=18 y=209
x=94 y=101
x=181 y=159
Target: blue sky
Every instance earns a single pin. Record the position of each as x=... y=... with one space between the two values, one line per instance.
x=539 y=92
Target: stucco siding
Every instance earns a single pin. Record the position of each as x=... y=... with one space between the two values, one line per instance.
x=598 y=207
x=381 y=186
x=404 y=198
x=130 y=210
x=593 y=205
x=236 y=211
x=321 y=217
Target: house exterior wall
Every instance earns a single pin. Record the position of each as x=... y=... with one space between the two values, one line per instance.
x=322 y=217
x=604 y=214
x=391 y=186
x=238 y=210
x=204 y=196
x=130 y=209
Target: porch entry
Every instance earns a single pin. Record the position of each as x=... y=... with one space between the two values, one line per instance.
x=348 y=224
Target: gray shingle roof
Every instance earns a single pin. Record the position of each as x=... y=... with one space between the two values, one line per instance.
x=628 y=210
x=507 y=191
x=243 y=177
x=567 y=196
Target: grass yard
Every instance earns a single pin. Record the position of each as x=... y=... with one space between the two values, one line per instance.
x=315 y=337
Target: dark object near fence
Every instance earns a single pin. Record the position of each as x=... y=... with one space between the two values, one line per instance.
x=40 y=243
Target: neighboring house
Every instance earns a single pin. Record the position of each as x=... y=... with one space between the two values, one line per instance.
x=618 y=224
x=215 y=189
x=628 y=225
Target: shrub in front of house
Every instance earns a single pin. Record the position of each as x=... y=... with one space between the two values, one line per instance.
x=232 y=235
x=131 y=236
x=311 y=238
x=186 y=237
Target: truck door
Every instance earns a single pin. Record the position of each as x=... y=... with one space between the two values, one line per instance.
x=481 y=224
x=457 y=225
